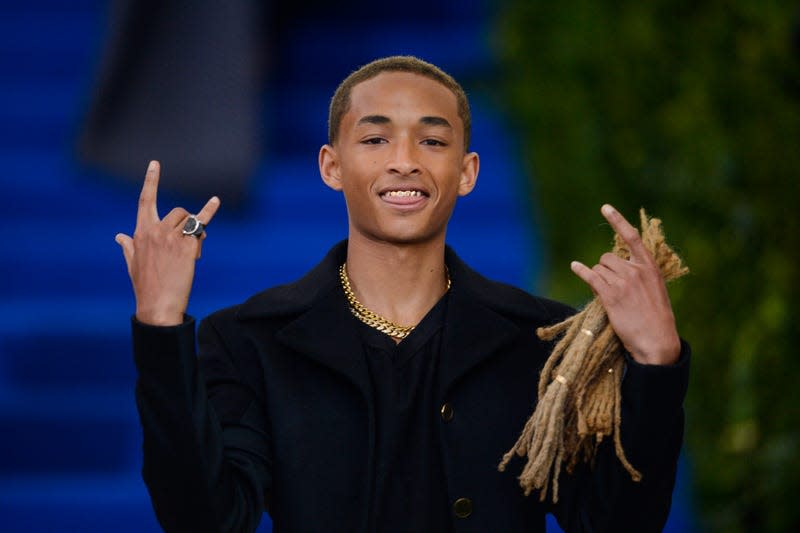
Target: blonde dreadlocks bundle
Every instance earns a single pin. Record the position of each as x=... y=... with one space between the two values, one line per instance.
x=579 y=387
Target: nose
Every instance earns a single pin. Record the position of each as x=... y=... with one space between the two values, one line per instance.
x=403 y=158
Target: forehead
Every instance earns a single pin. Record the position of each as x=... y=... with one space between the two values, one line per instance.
x=401 y=94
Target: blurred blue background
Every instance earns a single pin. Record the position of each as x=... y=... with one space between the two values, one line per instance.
x=69 y=435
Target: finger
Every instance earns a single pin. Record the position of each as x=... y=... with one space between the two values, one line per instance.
x=592 y=278
x=126 y=243
x=176 y=217
x=608 y=276
x=209 y=210
x=616 y=264
x=628 y=233
x=148 y=212
x=200 y=245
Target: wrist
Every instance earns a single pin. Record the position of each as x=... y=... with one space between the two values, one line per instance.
x=156 y=318
x=667 y=353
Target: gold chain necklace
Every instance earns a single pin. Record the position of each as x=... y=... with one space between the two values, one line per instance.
x=370 y=318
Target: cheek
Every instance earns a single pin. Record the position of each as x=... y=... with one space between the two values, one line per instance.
x=452 y=168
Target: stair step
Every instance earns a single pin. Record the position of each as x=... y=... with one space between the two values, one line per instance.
x=35 y=115
x=66 y=32
x=45 y=359
x=457 y=46
x=80 y=503
x=68 y=430
x=23 y=100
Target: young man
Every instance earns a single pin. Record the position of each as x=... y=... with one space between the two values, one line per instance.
x=379 y=392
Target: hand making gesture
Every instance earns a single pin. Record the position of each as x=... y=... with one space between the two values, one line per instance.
x=634 y=296
x=162 y=253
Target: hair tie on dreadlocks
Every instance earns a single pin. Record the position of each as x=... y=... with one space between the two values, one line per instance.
x=569 y=422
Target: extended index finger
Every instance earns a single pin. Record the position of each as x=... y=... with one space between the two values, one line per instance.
x=148 y=212
x=625 y=230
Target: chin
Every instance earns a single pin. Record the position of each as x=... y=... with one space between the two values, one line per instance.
x=399 y=231
x=412 y=237
x=401 y=237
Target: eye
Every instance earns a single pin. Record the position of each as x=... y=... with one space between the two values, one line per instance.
x=433 y=142
x=374 y=140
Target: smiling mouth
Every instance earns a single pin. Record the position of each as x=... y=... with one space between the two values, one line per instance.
x=411 y=193
x=405 y=199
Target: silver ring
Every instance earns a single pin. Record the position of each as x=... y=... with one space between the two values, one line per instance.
x=193 y=227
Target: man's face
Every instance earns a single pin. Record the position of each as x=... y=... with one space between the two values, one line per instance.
x=399 y=159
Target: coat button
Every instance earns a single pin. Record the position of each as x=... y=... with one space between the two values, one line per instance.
x=462 y=507
x=447 y=412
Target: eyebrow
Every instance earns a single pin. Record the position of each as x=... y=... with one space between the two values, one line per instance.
x=436 y=121
x=426 y=120
x=373 y=119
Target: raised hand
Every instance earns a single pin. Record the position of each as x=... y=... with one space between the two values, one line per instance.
x=160 y=257
x=634 y=296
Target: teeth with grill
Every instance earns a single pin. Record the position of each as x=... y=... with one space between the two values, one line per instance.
x=403 y=193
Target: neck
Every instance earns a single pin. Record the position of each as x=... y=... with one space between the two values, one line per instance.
x=399 y=282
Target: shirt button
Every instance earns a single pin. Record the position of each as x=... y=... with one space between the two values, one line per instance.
x=462 y=507
x=447 y=412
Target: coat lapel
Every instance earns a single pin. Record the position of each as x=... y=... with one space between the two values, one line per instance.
x=325 y=334
x=479 y=324
x=320 y=325
x=473 y=332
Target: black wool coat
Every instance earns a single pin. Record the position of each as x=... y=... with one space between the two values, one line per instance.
x=274 y=410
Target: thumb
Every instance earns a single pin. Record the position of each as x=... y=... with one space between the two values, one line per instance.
x=126 y=243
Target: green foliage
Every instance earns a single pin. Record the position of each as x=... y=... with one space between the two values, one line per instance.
x=692 y=110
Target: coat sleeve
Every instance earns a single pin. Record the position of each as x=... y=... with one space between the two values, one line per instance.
x=205 y=442
x=602 y=497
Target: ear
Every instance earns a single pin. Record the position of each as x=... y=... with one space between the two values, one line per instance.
x=469 y=173
x=329 y=167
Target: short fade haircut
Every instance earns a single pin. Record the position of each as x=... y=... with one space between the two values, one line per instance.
x=340 y=103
